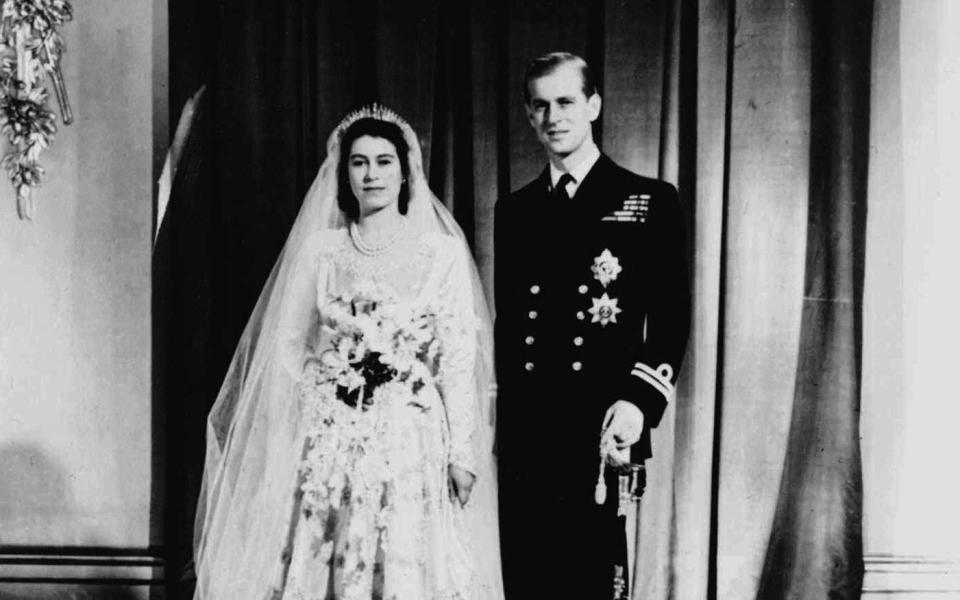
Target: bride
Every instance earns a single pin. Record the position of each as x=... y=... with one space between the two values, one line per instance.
x=349 y=452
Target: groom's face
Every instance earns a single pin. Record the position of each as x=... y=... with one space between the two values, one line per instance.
x=560 y=113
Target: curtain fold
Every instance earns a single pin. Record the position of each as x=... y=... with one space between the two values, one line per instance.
x=756 y=109
x=763 y=273
x=816 y=547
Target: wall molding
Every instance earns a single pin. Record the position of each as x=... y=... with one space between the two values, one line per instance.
x=893 y=575
x=884 y=574
x=81 y=565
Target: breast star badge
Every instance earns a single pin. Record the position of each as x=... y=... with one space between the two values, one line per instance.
x=604 y=310
x=606 y=267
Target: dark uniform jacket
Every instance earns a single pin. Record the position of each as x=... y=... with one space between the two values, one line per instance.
x=570 y=339
x=592 y=306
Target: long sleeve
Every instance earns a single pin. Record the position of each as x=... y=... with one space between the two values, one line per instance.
x=298 y=317
x=458 y=336
x=651 y=365
x=502 y=285
x=505 y=325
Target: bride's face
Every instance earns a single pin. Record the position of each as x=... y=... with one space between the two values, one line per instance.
x=375 y=174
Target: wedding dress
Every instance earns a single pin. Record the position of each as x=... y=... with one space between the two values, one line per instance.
x=375 y=518
x=307 y=496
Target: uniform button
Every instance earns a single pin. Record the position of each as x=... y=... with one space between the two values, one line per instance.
x=580 y=315
x=528 y=366
x=583 y=289
x=576 y=366
x=534 y=289
x=532 y=314
x=529 y=340
x=578 y=341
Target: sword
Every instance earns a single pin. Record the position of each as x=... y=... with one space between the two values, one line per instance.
x=631 y=482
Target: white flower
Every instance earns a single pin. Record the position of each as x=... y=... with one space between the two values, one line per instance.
x=350 y=379
x=606 y=268
x=367 y=326
x=604 y=310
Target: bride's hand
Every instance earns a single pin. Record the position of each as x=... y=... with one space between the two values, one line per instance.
x=461 y=483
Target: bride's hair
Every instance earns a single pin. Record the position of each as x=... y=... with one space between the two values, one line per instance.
x=379 y=129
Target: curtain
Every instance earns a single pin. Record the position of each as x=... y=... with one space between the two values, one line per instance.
x=758 y=111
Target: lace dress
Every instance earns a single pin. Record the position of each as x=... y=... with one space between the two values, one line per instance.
x=374 y=516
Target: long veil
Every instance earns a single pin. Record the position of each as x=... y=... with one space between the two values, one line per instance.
x=246 y=505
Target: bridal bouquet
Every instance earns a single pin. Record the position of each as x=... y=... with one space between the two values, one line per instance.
x=381 y=353
x=375 y=342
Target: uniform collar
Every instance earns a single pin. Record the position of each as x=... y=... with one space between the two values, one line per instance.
x=578 y=172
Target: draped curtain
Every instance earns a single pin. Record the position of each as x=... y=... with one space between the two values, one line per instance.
x=757 y=110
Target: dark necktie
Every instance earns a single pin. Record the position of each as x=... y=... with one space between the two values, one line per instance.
x=560 y=190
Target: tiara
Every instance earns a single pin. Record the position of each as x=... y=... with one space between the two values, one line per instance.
x=381 y=113
x=371 y=111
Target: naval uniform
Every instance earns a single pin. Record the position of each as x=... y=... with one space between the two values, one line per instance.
x=592 y=306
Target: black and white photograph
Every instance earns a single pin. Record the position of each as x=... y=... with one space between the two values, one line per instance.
x=479 y=300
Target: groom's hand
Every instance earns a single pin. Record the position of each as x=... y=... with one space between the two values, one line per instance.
x=461 y=483
x=622 y=427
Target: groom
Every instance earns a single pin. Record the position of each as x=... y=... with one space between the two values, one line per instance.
x=592 y=304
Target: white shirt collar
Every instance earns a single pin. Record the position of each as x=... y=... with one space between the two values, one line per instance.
x=578 y=172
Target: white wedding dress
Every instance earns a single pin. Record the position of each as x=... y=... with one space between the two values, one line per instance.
x=374 y=516
x=298 y=503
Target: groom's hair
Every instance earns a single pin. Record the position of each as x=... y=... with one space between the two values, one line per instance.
x=546 y=64
x=391 y=132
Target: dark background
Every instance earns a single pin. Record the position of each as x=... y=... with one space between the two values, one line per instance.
x=757 y=110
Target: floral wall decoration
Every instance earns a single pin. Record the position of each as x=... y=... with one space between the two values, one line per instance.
x=30 y=51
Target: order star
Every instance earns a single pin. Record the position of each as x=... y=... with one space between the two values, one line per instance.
x=606 y=267
x=604 y=310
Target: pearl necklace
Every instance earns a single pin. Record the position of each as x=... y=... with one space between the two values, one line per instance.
x=375 y=250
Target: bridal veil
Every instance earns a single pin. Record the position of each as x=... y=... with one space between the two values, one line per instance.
x=246 y=505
